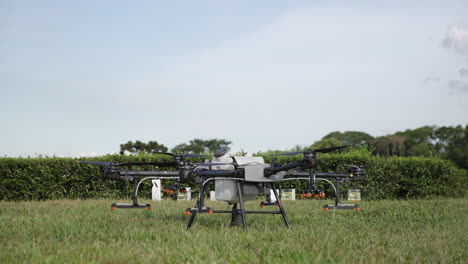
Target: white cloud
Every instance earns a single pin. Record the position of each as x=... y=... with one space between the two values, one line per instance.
x=431 y=79
x=304 y=62
x=458 y=86
x=463 y=72
x=457 y=39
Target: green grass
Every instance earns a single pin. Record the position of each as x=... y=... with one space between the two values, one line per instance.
x=86 y=231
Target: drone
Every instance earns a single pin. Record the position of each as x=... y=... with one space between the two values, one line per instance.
x=237 y=179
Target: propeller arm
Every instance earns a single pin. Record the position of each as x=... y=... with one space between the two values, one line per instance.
x=303 y=164
x=149 y=173
x=352 y=175
x=220 y=173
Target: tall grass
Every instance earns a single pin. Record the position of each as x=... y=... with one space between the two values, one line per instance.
x=86 y=231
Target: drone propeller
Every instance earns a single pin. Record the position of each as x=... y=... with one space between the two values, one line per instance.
x=183 y=155
x=288 y=153
x=326 y=150
x=322 y=150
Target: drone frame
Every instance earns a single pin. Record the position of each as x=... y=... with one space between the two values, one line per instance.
x=186 y=170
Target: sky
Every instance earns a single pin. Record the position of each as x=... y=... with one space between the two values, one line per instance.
x=79 y=78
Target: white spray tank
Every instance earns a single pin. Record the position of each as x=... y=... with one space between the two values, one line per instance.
x=225 y=189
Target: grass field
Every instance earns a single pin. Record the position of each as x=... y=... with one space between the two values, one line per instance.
x=84 y=231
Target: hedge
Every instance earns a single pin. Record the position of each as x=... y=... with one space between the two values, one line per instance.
x=44 y=178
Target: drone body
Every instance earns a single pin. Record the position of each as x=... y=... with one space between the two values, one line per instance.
x=254 y=168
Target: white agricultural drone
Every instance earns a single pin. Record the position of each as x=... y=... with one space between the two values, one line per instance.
x=237 y=179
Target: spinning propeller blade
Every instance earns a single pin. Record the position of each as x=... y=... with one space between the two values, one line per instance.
x=288 y=153
x=194 y=155
x=326 y=150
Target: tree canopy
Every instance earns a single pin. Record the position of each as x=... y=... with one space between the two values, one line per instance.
x=354 y=138
x=446 y=142
x=199 y=146
x=138 y=146
x=326 y=143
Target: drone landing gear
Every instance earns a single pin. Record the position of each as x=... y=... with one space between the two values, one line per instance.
x=263 y=204
x=236 y=218
x=135 y=204
x=238 y=215
x=130 y=206
x=337 y=204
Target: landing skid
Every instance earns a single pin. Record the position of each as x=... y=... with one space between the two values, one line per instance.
x=342 y=206
x=135 y=204
x=130 y=206
x=238 y=214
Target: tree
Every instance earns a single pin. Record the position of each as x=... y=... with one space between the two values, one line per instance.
x=199 y=146
x=138 y=146
x=297 y=148
x=381 y=146
x=355 y=138
x=447 y=142
x=326 y=143
x=397 y=145
x=452 y=143
x=447 y=136
x=419 y=141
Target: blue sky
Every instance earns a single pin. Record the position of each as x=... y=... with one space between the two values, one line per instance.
x=82 y=77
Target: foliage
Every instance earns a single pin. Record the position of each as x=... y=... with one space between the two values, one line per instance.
x=446 y=142
x=326 y=143
x=388 y=146
x=86 y=231
x=453 y=143
x=138 y=146
x=354 y=138
x=46 y=178
x=297 y=148
x=391 y=177
x=200 y=146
